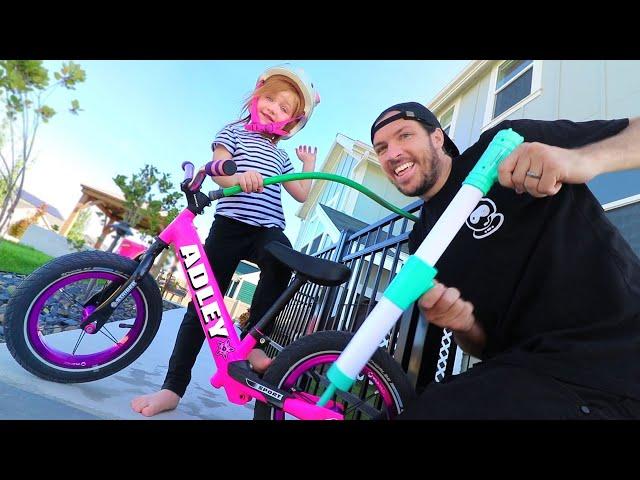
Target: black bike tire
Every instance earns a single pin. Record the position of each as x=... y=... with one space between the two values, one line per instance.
x=19 y=307
x=330 y=342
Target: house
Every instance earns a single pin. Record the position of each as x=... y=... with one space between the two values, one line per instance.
x=333 y=207
x=484 y=93
x=28 y=205
x=238 y=296
x=243 y=285
x=489 y=91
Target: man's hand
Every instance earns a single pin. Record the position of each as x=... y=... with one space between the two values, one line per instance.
x=541 y=169
x=250 y=181
x=444 y=307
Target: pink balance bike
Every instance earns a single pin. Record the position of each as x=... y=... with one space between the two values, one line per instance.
x=326 y=375
x=115 y=320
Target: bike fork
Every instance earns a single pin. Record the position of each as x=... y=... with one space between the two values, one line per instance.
x=102 y=313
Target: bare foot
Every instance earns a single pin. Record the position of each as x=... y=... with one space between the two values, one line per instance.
x=150 y=405
x=259 y=360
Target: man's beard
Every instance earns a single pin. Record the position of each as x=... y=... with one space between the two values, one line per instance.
x=429 y=178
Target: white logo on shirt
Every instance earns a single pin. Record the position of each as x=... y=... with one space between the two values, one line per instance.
x=485 y=219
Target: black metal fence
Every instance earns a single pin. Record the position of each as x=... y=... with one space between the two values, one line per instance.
x=375 y=254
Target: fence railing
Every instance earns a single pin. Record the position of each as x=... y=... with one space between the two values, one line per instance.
x=374 y=254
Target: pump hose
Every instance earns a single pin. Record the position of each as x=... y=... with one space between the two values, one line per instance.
x=227 y=192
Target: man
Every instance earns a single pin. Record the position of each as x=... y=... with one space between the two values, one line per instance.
x=537 y=283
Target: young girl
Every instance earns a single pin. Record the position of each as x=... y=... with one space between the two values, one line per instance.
x=279 y=107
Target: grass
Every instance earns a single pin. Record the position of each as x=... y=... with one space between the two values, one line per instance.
x=21 y=259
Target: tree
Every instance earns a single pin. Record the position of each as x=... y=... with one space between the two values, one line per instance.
x=75 y=237
x=140 y=201
x=140 y=198
x=17 y=229
x=23 y=86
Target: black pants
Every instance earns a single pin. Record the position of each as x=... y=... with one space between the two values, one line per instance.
x=229 y=242
x=506 y=392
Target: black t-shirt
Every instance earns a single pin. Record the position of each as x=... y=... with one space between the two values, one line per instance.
x=553 y=282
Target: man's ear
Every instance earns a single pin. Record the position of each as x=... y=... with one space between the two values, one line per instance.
x=437 y=137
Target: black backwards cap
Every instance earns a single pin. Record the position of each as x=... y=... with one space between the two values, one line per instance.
x=417 y=112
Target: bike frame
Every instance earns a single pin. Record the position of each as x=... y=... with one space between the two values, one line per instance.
x=222 y=338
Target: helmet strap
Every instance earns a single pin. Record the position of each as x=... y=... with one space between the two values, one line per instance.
x=275 y=128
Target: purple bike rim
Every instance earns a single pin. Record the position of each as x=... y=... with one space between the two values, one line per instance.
x=329 y=358
x=66 y=361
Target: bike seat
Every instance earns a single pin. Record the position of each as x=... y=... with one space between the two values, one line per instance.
x=317 y=270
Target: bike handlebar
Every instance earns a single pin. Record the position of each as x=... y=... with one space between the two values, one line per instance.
x=214 y=168
x=217 y=168
x=188 y=170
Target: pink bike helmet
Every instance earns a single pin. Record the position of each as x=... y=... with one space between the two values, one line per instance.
x=310 y=95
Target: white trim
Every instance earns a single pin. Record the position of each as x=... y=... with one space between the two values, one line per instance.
x=536 y=90
x=454 y=118
x=488 y=109
x=621 y=203
x=333 y=201
x=517 y=76
x=451 y=109
x=536 y=77
x=467 y=75
x=512 y=109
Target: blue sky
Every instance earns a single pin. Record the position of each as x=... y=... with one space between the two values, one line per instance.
x=166 y=112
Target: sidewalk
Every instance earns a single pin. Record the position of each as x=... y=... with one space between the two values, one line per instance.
x=23 y=395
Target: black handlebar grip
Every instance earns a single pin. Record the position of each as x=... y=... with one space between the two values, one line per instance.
x=216 y=194
x=217 y=168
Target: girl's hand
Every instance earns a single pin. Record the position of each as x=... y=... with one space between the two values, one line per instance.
x=251 y=181
x=305 y=153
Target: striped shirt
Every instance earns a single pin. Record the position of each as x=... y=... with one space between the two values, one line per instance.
x=252 y=151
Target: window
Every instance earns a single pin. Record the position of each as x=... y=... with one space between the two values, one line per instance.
x=315 y=244
x=513 y=84
x=232 y=289
x=326 y=242
x=446 y=120
x=335 y=192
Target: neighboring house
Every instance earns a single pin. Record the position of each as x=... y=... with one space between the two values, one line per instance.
x=28 y=205
x=243 y=285
x=333 y=210
x=482 y=95
x=333 y=207
x=239 y=295
x=489 y=91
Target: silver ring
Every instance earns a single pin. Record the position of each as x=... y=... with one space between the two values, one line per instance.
x=533 y=175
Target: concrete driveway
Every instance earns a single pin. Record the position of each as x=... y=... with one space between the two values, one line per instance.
x=25 y=396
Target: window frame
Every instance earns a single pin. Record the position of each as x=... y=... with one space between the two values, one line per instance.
x=536 y=90
x=454 y=118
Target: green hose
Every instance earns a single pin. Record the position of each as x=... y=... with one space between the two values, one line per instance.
x=227 y=192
